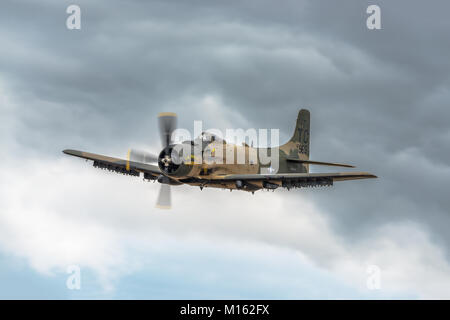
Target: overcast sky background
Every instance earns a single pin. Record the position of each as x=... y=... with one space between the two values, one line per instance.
x=378 y=99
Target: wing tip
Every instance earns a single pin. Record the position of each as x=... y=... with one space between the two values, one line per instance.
x=369 y=175
x=71 y=152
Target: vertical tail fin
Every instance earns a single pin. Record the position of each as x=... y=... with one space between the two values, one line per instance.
x=301 y=134
x=297 y=147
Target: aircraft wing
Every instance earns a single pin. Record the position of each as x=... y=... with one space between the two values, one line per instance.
x=119 y=165
x=300 y=179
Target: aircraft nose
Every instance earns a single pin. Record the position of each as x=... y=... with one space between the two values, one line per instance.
x=166 y=160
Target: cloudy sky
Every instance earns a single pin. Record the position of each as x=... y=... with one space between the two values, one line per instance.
x=378 y=99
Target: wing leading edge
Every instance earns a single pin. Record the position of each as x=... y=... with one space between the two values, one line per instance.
x=287 y=177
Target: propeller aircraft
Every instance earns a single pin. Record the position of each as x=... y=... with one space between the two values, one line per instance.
x=200 y=163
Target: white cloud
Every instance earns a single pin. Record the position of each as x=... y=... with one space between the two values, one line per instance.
x=57 y=213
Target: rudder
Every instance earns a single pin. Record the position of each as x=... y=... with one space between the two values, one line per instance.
x=301 y=133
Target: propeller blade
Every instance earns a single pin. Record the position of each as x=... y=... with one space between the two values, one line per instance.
x=164 y=198
x=141 y=156
x=167 y=124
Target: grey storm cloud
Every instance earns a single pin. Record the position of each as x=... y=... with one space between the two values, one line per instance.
x=378 y=99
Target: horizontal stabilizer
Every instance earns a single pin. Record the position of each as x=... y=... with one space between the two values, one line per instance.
x=321 y=163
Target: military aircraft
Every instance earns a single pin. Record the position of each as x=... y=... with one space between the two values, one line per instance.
x=175 y=166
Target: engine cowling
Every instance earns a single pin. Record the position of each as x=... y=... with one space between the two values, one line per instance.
x=171 y=162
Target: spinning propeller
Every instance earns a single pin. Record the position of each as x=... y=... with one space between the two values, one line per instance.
x=167 y=122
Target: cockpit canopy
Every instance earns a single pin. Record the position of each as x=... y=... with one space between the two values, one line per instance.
x=207 y=137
